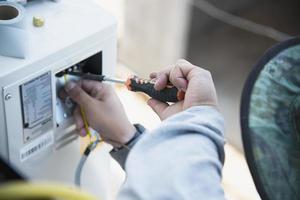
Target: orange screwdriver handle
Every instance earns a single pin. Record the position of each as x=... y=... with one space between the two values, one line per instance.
x=168 y=94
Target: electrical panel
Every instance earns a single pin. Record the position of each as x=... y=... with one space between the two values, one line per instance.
x=37 y=130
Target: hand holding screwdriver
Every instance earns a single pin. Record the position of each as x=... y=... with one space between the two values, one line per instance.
x=107 y=116
x=168 y=94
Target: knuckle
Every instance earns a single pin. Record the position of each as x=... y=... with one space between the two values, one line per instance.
x=204 y=74
x=154 y=73
x=182 y=61
x=201 y=70
x=207 y=73
x=96 y=90
x=79 y=95
x=75 y=93
x=160 y=74
x=176 y=68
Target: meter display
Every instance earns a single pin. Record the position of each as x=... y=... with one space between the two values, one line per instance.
x=36 y=100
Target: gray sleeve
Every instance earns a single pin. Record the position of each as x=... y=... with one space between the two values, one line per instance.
x=120 y=155
x=181 y=159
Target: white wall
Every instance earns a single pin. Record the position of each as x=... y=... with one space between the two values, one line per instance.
x=154 y=35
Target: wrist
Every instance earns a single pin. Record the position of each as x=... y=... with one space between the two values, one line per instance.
x=120 y=154
x=139 y=131
x=125 y=135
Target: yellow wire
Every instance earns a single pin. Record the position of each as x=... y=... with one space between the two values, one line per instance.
x=23 y=190
x=85 y=122
x=66 y=78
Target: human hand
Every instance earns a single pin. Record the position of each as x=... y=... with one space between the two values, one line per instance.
x=103 y=110
x=195 y=81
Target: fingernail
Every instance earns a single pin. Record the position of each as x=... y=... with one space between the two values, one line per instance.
x=70 y=85
x=82 y=132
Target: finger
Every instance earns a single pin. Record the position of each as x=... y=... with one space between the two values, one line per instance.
x=77 y=94
x=189 y=70
x=179 y=75
x=82 y=132
x=185 y=67
x=157 y=106
x=96 y=89
x=178 y=79
x=164 y=76
x=78 y=118
x=62 y=94
x=162 y=80
x=89 y=85
x=153 y=75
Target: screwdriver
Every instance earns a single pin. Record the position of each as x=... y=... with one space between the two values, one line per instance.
x=133 y=83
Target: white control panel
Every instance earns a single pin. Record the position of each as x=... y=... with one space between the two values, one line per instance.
x=37 y=131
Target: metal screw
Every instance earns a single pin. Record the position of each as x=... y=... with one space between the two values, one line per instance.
x=8 y=97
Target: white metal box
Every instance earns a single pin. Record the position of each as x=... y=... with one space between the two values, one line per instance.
x=34 y=136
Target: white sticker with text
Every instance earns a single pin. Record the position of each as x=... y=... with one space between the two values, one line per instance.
x=36 y=146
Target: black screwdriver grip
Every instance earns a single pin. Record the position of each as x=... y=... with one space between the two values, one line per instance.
x=168 y=94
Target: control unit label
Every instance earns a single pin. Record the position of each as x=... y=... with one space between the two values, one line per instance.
x=36 y=146
x=37 y=101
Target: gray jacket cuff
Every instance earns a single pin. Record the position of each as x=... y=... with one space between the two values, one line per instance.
x=120 y=154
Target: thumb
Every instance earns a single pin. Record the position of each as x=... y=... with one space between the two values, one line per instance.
x=77 y=94
x=157 y=106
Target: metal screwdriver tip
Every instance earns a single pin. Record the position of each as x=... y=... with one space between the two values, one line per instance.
x=114 y=80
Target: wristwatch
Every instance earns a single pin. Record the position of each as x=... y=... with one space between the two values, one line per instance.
x=120 y=154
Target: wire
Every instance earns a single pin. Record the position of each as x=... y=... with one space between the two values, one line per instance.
x=239 y=22
x=23 y=190
x=78 y=171
x=93 y=144
x=83 y=160
x=85 y=122
x=65 y=78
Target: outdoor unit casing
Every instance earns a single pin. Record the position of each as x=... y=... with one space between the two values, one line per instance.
x=36 y=130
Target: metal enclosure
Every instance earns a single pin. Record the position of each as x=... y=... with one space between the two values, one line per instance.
x=36 y=132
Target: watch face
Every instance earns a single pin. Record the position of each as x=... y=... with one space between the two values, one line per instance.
x=270 y=122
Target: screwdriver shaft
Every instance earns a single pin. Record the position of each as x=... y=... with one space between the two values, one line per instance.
x=115 y=80
x=97 y=77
